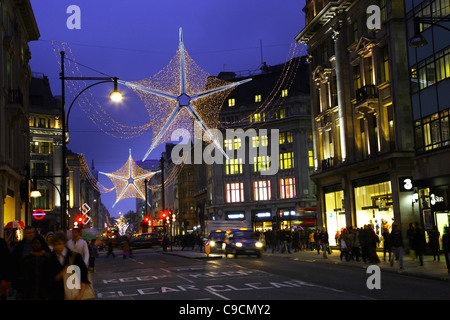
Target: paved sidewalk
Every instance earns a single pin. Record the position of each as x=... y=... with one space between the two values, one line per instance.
x=431 y=269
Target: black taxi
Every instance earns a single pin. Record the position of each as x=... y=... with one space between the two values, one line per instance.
x=242 y=241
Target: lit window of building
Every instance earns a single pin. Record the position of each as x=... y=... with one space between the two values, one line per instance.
x=261 y=190
x=310 y=158
x=231 y=102
x=286 y=160
x=261 y=163
x=257 y=98
x=258 y=117
x=284 y=93
x=286 y=137
x=235 y=192
x=233 y=166
x=262 y=141
x=287 y=188
x=232 y=144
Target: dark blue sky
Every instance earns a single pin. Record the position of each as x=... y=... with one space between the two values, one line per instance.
x=135 y=39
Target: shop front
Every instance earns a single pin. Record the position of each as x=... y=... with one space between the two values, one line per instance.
x=262 y=220
x=374 y=205
x=433 y=202
x=334 y=212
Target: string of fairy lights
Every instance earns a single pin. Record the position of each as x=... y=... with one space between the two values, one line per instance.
x=272 y=103
x=89 y=104
x=158 y=108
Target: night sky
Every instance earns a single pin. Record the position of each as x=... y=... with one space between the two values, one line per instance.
x=135 y=39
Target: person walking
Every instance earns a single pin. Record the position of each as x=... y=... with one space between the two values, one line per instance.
x=79 y=245
x=274 y=240
x=396 y=241
x=434 y=236
x=110 y=249
x=354 y=238
x=317 y=241
x=311 y=240
x=126 y=248
x=19 y=252
x=386 y=243
x=419 y=243
x=288 y=239
x=324 y=240
x=35 y=272
x=446 y=246
x=364 y=240
x=296 y=240
x=62 y=257
x=345 y=244
x=410 y=236
x=93 y=254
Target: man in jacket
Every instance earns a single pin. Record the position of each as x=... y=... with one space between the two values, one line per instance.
x=396 y=242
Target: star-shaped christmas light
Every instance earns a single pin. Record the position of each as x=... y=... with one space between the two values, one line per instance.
x=122 y=224
x=183 y=99
x=129 y=181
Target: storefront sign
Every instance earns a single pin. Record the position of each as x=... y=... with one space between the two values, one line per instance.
x=263 y=215
x=406 y=184
x=434 y=199
x=235 y=216
x=287 y=213
x=438 y=199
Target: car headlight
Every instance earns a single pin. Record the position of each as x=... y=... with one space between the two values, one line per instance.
x=258 y=244
x=212 y=243
x=238 y=244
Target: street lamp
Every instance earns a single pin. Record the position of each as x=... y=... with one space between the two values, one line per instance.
x=115 y=95
x=418 y=40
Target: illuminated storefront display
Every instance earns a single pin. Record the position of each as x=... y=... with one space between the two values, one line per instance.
x=262 y=220
x=435 y=209
x=373 y=205
x=335 y=214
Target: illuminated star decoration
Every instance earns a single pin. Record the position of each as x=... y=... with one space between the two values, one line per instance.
x=122 y=224
x=183 y=99
x=129 y=181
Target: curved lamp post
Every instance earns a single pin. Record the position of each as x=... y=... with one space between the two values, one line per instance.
x=115 y=95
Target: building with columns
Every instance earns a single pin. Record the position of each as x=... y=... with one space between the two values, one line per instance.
x=17 y=28
x=361 y=110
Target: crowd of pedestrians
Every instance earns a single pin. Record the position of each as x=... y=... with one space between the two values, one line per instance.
x=362 y=244
x=295 y=240
x=39 y=268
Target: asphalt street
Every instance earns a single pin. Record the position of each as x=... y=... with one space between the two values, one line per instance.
x=155 y=275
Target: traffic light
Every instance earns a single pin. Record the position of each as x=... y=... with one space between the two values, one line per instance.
x=78 y=222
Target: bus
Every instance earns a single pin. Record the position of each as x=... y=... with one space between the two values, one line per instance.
x=111 y=233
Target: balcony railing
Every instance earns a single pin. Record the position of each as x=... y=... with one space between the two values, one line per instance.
x=327 y=163
x=365 y=93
